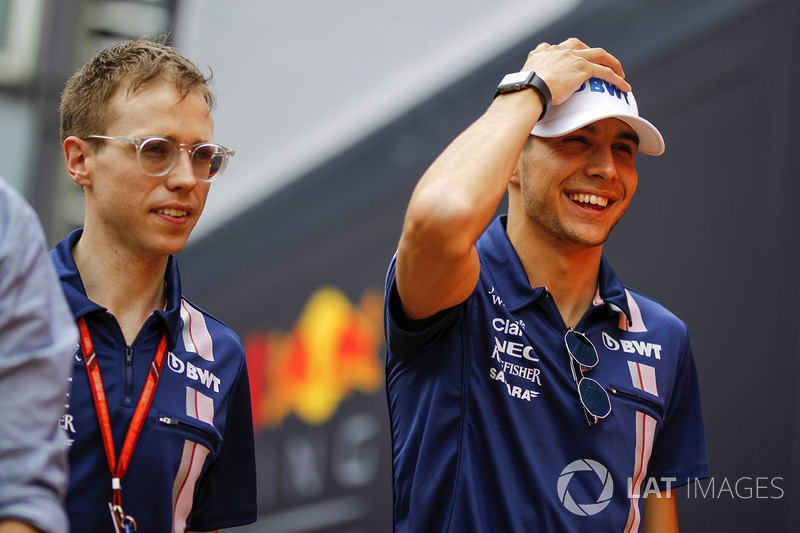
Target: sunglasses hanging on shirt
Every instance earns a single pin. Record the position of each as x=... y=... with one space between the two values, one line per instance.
x=594 y=398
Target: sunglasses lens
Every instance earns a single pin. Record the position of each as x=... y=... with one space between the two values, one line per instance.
x=581 y=349
x=594 y=397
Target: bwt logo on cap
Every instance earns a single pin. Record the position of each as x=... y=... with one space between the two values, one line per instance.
x=597 y=99
x=596 y=85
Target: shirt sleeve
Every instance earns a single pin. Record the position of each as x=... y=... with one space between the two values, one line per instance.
x=227 y=493
x=406 y=336
x=37 y=340
x=679 y=453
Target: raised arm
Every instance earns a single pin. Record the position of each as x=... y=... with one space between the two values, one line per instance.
x=454 y=201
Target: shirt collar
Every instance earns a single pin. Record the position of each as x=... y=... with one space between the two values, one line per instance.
x=81 y=305
x=500 y=261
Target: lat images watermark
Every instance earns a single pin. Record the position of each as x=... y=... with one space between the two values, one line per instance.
x=585 y=487
x=741 y=488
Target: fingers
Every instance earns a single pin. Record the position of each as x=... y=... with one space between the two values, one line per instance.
x=599 y=56
x=574 y=43
x=565 y=66
x=571 y=43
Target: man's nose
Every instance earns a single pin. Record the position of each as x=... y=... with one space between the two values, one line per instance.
x=182 y=176
x=602 y=163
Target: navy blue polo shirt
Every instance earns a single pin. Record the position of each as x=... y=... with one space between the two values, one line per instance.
x=194 y=464
x=488 y=432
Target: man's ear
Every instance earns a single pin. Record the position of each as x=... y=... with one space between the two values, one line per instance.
x=76 y=152
x=515 y=175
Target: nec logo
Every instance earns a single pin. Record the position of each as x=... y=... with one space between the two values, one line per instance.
x=648 y=349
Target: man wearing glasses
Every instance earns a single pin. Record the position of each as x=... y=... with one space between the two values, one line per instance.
x=528 y=389
x=159 y=413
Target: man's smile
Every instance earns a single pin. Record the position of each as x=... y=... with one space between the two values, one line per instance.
x=171 y=212
x=589 y=200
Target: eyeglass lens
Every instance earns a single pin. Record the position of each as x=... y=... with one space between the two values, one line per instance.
x=158 y=156
x=593 y=396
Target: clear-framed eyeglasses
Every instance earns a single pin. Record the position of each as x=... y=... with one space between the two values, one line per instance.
x=158 y=156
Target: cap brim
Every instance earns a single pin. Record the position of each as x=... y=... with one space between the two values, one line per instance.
x=650 y=140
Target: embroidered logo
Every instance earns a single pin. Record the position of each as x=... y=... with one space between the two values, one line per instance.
x=647 y=349
x=195 y=373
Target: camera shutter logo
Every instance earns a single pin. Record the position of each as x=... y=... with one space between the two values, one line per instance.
x=585 y=509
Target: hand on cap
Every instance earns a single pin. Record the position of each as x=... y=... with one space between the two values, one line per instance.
x=564 y=67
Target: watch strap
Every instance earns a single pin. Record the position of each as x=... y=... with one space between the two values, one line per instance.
x=535 y=82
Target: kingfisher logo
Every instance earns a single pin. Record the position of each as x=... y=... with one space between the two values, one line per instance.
x=585 y=486
x=647 y=349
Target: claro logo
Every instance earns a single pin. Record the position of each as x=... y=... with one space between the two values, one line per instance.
x=647 y=349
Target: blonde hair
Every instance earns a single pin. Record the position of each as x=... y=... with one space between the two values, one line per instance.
x=130 y=65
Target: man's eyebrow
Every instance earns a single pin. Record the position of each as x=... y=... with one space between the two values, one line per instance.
x=630 y=136
x=625 y=135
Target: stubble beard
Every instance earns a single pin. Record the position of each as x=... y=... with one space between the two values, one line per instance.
x=546 y=217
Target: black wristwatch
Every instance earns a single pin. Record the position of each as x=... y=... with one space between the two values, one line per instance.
x=527 y=79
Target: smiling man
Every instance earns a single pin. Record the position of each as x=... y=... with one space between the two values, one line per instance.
x=154 y=447
x=512 y=406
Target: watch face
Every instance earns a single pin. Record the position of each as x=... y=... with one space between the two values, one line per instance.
x=516 y=78
x=516 y=81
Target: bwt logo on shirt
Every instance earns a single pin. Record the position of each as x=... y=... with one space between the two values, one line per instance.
x=647 y=349
x=206 y=377
x=596 y=85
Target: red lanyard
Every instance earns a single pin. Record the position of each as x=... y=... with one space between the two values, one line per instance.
x=101 y=406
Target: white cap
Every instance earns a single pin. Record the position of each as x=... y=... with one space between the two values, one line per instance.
x=595 y=100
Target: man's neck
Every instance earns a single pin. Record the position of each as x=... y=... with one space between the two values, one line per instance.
x=129 y=286
x=569 y=272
